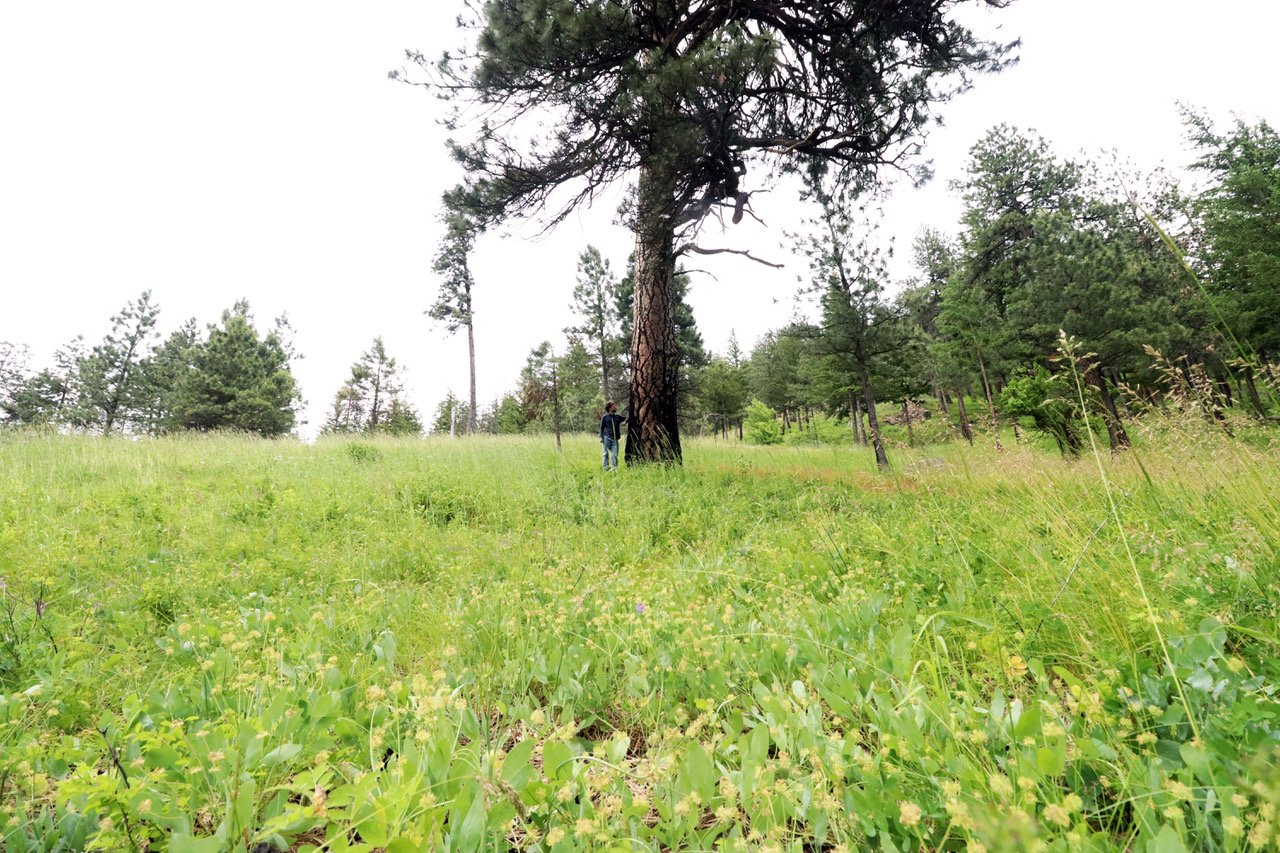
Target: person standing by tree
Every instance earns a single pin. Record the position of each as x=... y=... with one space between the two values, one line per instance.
x=611 y=434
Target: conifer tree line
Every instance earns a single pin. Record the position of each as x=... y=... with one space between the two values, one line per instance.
x=1065 y=279
x=1059 y=271
x=228 y=376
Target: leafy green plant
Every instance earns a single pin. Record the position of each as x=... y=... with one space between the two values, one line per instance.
x=761 y=425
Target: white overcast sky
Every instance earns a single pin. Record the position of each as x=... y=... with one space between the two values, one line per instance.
x=210 y=152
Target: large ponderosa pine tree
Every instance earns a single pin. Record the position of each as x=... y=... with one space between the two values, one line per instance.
x=687 y=98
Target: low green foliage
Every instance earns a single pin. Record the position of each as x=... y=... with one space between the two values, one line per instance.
x=226 y=644
x=761 y=425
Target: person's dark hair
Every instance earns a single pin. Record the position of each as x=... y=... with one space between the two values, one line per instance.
x=610 y=406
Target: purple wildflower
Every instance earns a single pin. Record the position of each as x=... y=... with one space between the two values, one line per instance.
x=640 y=608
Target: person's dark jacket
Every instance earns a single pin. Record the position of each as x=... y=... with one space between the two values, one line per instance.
x=611 y=426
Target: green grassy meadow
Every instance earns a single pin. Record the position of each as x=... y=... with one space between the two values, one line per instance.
x=225 y=644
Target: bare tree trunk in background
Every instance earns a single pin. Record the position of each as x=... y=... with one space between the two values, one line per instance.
x=991 y=406
x=604 y=371
x=1255 y=399
x=873 y=423
x=1224 y=386
x=965 y=429
x=856 y=417
x=471 y=354
x=652 y=431
x=906 y=416
x=1116 y=434
x=555 y=404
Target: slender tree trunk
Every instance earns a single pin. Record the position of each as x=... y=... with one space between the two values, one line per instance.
x=965 y=429
x=471 y=354
x=991 y=406
x=652 y=431
x=1224 y=386
x=604 y=370
x=1255 y=399
x=941 y=394
x=906 y=417
x=1110 y=415
x=377 y=394
x=873 y=423
x=855 y=415
x=555 y=405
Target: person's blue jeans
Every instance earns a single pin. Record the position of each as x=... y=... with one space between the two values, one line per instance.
x=610 y=452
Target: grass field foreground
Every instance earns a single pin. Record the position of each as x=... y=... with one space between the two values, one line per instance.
x=221 y=644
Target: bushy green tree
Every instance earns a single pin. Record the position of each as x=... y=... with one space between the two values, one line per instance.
x=1046 y=399
x=1240 y=210
x=113 y=384
x=238 y=380
x=371 y=399
x=761 y=424
x=861 y=335
x=167 y=370
x=598 y=325
x=723 y=395
x=449 y=413
x=1051 y=246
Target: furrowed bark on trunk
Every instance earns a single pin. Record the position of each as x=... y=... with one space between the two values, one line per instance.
x=1116 y=433
x=965 y=429
x=471 y=355
x=652 y=432
x=873 y=423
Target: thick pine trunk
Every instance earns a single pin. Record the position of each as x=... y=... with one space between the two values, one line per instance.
x=652 y=431
x=471 y=354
